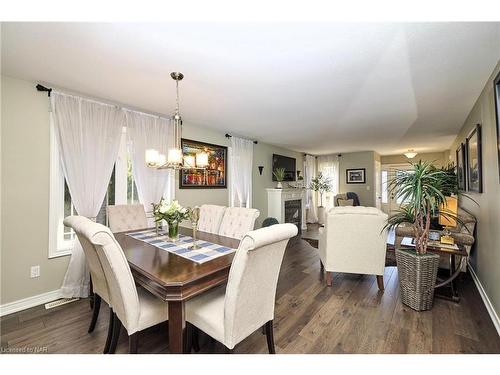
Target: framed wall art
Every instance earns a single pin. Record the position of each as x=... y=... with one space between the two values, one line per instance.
x=474 y=162
x=355 y=176
x=496 y=90
x=461 y=168
x=214 y=176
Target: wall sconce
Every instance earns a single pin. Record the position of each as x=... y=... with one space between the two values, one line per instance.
x=261 y=168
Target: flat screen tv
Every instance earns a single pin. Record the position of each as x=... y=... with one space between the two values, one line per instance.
x=280 y=161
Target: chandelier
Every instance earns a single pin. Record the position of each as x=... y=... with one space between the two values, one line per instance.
x=175 y=158
x=410 y=154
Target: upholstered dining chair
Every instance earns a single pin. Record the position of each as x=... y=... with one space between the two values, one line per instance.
x=134 y=308
x=99 y=284
x=124 y=217
x=230 y=314
x=210 y=218
x=354 y=241
x=238 y=221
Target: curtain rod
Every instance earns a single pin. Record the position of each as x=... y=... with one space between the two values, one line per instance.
x=229 y=136
x=48 y=90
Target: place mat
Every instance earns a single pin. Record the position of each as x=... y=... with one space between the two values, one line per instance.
x=207 y=251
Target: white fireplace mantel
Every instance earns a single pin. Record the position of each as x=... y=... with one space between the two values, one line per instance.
x=276 y=199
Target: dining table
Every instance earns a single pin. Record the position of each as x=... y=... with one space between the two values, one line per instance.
x=174 y=278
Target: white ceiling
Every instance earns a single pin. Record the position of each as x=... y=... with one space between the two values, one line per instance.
x=315 y=88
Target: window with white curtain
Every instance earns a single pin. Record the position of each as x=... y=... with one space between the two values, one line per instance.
x=329 y=166
x=121 y=190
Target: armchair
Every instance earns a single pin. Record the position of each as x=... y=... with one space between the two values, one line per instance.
x=353 y=241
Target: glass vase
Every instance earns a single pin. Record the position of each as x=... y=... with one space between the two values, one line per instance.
x=173 y=230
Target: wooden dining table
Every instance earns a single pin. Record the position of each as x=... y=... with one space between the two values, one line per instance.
x=175 y=279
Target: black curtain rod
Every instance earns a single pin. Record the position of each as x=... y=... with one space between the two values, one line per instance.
x=43 y=89
x=229 y=136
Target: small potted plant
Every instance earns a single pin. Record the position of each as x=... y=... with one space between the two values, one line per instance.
x=173 y=213
x=424 y=190
x=279 y=174
x=321 y=185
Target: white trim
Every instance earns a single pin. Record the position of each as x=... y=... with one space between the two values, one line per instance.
x=489 y=306
x=26 y=303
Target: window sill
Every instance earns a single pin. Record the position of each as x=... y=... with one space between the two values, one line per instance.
x=60 y=253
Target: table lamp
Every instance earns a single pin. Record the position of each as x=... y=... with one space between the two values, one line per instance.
x=448 y=218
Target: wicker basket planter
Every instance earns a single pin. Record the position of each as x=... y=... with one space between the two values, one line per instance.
x=417 y=278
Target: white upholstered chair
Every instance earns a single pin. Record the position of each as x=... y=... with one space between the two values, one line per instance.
x=126 y=217
x=99 y=284
x=238 y=221
x=210 y=218
x=134 y=308
x=230 y=314
x=354 y=241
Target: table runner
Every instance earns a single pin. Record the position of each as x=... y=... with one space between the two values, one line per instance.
x=205 y=253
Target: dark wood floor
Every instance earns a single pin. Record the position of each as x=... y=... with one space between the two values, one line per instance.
x=351 y=317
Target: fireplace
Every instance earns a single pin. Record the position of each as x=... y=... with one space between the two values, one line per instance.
x=293 y=212
x=287 y=206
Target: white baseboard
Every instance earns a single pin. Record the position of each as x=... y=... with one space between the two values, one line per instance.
x=26 y=303
x=489 y=306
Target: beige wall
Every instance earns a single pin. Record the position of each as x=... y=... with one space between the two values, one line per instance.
x=353 y=160
x=25 y=189
x=485 y=259
x=25 y=193
x=438 y=158
x=263 y=155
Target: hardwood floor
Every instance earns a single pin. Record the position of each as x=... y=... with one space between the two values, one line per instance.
x=350 y=317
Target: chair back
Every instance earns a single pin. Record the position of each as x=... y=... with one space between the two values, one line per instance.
x=251 y=287
x=238 y=221
x=210 y=218
x=355 y=240
x=122 y=289
x=124 y=217
x=99 y=284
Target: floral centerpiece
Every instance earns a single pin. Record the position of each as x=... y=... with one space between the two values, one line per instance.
x=173 y=213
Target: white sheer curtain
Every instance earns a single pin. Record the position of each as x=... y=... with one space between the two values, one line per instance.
x=88 y=136
x=329 y=166
x=309 y=174
x=241 y=162
x=146 y=131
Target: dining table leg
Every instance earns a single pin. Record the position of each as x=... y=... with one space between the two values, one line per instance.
x=176 y=326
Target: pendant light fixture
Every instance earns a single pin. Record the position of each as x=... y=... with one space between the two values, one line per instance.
x=410 y=154
x=175 y=159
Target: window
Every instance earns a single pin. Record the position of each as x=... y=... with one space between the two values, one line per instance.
x=121 y=190
x=329 y=166
x=385 y=195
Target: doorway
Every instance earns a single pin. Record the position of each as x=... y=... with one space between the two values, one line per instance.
x=389 y=202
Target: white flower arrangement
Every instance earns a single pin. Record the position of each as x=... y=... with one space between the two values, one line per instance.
x=170 y=212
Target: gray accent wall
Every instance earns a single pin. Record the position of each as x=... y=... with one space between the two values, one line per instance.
x=485 y=255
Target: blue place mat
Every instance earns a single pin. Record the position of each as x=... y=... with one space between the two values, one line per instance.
x=181 y=247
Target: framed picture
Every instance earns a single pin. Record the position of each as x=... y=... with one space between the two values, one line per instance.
x=212 y=177
x=474 y=162
x=355 y=176
x=461 y=171
x=496 y=90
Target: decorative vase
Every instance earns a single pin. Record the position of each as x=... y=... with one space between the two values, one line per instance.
x=279 y=185
x=321 y=215
x=173 y=230
x=417 y=278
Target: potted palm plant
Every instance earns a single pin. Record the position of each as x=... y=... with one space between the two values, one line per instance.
x=321 y=185
x=423 y=190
